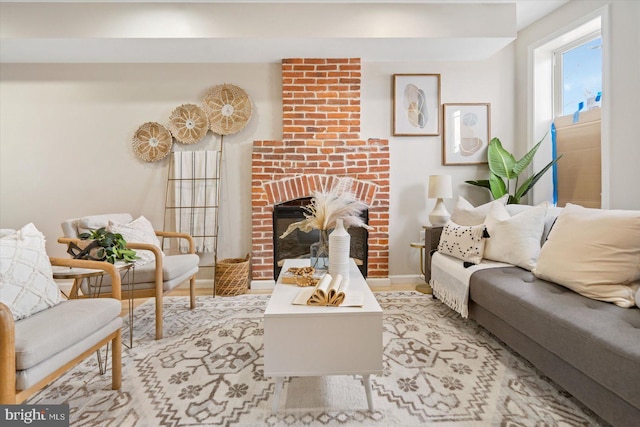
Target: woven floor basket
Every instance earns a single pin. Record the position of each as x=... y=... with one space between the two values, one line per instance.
x=232 y=276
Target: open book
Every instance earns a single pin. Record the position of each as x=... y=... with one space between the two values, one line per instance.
x=330 y=291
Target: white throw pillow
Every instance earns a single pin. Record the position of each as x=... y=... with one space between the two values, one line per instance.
x=638 y=297
x=26 y=278
x=515 y=239
x=90 y=223
x=463 y=242
x=594 y=252
x=464 y=213
x=140 y=230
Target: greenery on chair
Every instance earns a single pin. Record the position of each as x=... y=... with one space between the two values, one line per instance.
x=111 y=247
x=504 y=168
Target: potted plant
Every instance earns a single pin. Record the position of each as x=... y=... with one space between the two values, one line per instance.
x=504 y=168
x=103 y=245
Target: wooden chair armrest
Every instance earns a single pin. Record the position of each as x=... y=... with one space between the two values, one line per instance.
x=157 y=252
x=67 y=240
x=116 y=286
x=176 y=235
x=7 y=356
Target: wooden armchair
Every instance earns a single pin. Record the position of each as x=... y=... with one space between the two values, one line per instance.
x=36 y=350
x=154 y=279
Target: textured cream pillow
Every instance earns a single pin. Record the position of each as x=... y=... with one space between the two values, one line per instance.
x=26 y=278
x=90 y=223
x=140 y=230
x=515 y=239
x=464 y=213
x=594 y=252
x=463 y=242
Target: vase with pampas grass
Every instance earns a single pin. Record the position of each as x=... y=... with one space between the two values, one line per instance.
x=321 y=214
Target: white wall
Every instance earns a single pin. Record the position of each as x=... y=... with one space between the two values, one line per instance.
x=65 y=141
x=66 y=134
x=620 y=104
x=413 y=159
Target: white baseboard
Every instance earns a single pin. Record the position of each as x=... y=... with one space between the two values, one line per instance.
x=407 y=279
x=263 y=284
x=400 y=279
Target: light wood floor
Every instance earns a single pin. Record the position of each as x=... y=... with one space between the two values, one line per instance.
x=209 y=292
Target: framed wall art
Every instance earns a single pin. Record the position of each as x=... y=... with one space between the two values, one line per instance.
x=416 y=104
x=466 y=133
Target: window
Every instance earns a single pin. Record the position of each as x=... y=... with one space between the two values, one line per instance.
x=578 y=89
x=578 y=75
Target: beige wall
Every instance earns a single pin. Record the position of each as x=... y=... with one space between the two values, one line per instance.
x=65 y=140
x=619 y=105
x=65 y=132
x=413 y=159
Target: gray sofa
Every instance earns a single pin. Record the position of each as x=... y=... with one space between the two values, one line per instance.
x=590 y=348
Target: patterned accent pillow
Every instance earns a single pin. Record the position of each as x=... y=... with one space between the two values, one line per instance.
x=26 y=278
x=463 y=242
x=140 y=230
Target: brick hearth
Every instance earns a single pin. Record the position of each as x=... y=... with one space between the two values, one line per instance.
x=321 y=148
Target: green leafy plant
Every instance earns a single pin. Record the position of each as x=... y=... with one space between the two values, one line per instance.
x=504 y=169
x=111 y=246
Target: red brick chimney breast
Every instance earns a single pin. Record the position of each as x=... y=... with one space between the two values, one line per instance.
x=321 y=143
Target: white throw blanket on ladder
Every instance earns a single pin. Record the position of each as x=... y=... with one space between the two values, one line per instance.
x=195 y=197
x=450 y=280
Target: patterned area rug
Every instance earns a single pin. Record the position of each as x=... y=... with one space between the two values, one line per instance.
x=208 y=371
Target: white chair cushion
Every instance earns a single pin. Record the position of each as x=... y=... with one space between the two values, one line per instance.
x=174 y=268
x=46 y=333
x=26 y=278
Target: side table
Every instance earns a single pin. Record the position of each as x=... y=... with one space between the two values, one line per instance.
x=94 y=281
x=422 y=287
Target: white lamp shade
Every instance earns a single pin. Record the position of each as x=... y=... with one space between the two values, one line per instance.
x=440 y=187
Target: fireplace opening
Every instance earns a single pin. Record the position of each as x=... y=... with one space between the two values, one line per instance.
x=296 y=244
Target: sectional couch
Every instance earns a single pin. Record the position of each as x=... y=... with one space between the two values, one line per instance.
x=590 y=348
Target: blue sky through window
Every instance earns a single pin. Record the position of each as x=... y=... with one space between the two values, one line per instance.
x=581 y=75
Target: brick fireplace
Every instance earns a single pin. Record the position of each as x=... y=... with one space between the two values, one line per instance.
x=320 y=148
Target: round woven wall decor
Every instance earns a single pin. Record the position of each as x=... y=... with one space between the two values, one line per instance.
x=188 y=124
x=228 y=108
x=152 y=142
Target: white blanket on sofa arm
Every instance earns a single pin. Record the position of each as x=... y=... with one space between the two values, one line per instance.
x=450 y=280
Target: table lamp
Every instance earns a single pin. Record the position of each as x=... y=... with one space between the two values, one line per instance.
x=439 y=188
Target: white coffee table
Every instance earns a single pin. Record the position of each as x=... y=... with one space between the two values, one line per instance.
x=304 y=340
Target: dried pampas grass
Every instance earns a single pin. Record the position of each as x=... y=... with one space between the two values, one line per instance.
x=328 y=206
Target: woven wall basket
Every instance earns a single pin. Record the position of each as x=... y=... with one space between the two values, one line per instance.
x=188 y=124
x=232 y=276
x=228 y=108
x=152 y=142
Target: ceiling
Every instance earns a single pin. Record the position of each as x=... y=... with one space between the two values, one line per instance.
x=118 y=31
